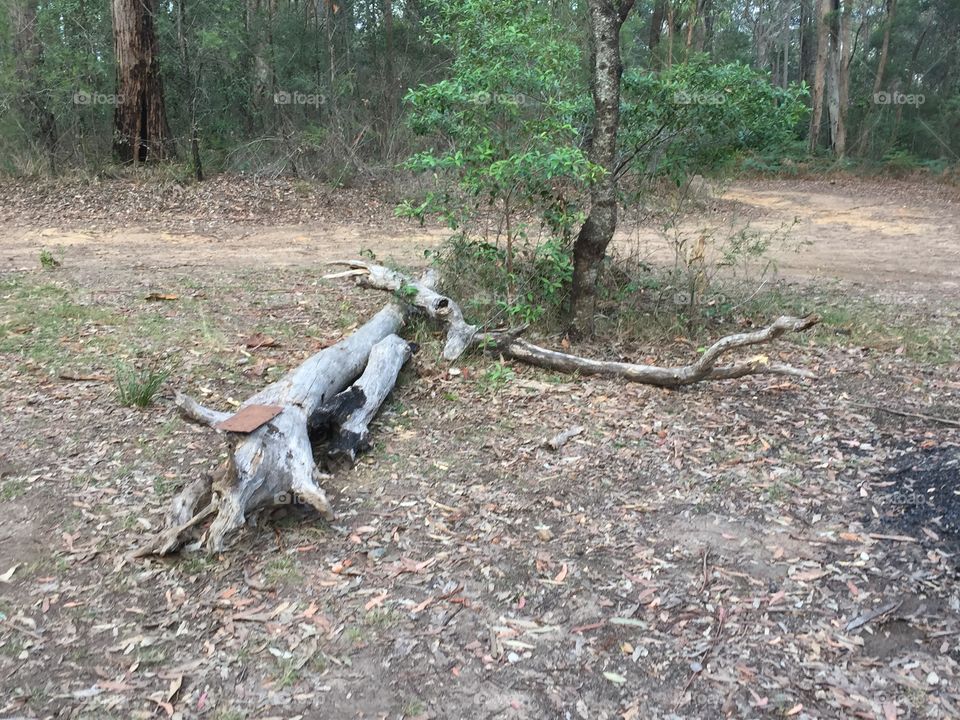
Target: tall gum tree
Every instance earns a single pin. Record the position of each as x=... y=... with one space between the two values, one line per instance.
x=141 y=132
x=606 y=68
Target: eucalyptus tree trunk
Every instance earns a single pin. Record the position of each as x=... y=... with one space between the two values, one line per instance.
x=28 y=52
x=819 y=71
x=838 y=74
x=260 y=19
x=606 y=19
x=863 y=143
x=141 y=132
x=656 y=31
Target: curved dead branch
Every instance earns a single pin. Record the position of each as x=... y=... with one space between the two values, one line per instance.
x=510 y=346
x=420 y=295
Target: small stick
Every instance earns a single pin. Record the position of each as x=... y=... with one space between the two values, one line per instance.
x=917 y=416
x=863 y=619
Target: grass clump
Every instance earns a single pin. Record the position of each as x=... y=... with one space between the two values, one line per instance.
x=138 y=387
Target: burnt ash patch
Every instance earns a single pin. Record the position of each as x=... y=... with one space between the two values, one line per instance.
x=922 y=491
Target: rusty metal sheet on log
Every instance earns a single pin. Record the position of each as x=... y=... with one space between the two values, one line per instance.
x=249 y=418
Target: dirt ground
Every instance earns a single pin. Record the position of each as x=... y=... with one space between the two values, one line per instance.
x=757 y=548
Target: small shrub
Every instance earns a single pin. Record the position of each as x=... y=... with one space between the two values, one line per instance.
x=497 y=375
x=533 y=288
x=48 y=261
x=137 y=388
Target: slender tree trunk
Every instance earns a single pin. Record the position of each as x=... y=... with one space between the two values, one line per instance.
x=389 y=79
x=863 y=143
x=192 y=82
x=819 y=71
x=807 y=41
x=706 y=39
x=833 y=82
x=259 y=34
x=141 y=132
x=843 y=59
x=911 y=69
x=329 y=19
x=28 y=52
x=656 y=29
x=671 y=30
x=606 y=19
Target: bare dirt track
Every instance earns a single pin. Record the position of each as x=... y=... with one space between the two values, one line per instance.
x=878 y=233
x=760 y=548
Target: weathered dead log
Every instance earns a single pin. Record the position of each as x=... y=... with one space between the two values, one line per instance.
x=275 y=461
x=420 y=295
x=348 y=413
x=510 y=345
x=705 y=368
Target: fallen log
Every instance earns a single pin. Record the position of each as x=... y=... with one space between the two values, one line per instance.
x=509 y=345
x=275 y=461
x=348 y=413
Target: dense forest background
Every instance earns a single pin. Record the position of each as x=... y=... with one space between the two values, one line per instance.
x=317 y=89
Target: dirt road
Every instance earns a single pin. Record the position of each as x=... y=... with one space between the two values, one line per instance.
x=882 y=234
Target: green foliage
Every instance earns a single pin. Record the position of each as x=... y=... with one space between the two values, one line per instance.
x=533 y=288
x=137 y=388
x=699 y=117
x=502 y=122
x=496 y=377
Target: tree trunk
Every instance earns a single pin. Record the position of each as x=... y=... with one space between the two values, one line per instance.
x=704 y=39
x=141 y=132
x=656 y=30
x=838 y=76
x=606 y=19
x=807 y=42
x=819 y=72
x=28 y=53
x=843 y=59
x=264 y=101
x=863 y=143
x=192 y=82
x=388 y=60
x=509 y=345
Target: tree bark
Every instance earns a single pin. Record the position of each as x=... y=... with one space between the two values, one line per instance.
x=192 y=82
x=807 y=41
x=819 y=72
x=507 y=344
x=838 y=72
x=421 y=295
x=141 y=132
x=705 y=368
x=606 y=19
